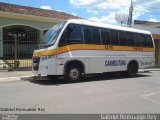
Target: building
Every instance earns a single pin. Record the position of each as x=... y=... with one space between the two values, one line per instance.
x=22 y=28
x=154 y=28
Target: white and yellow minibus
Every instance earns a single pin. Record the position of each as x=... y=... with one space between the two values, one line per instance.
x=76 y=47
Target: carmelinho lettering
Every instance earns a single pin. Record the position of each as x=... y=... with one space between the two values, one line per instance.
x=115 y=62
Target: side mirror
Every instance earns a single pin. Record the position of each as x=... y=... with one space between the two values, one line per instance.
x=43 y=43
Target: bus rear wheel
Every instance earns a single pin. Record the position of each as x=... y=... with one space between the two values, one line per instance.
x=132 y=70
x=73 y=73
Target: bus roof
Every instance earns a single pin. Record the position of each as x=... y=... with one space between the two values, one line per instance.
x=96 y=24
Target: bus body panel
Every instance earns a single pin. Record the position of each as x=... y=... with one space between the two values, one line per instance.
x=107 y=61
x=95 y=61
x=47 y=66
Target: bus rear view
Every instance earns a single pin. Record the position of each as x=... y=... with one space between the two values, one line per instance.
x=77 y=47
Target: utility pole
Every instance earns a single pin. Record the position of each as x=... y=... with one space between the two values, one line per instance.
x=130 y=14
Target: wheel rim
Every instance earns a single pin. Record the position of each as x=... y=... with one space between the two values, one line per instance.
x=74 y=74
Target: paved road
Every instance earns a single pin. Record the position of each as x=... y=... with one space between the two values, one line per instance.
x=107 y=94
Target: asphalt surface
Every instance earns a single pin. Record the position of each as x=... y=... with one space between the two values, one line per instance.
x=109 y=93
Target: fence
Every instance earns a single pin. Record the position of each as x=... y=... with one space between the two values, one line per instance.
x=18 y=46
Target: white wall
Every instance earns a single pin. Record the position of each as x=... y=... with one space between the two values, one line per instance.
x=152 y=29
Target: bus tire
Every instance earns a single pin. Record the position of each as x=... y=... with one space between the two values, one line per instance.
x=73 y=73
x=132 y=70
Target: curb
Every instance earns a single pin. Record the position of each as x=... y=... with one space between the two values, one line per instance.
x=22 y=78
x=9 y=79
x=28 y=78
x=144 y=71
x=147 y=70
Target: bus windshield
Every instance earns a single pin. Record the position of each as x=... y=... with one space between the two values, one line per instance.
x=52 y=34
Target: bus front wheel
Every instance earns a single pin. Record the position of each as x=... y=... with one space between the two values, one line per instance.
x=73 y=73
x=132 y=70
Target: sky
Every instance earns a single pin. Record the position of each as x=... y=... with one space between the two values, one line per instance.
x=99 y=10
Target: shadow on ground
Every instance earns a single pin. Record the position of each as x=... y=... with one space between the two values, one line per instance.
x=88 y=78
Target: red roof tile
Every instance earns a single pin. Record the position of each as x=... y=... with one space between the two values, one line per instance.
x=6 y=7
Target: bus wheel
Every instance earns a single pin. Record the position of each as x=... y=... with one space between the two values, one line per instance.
x=73 y=73
x=132 y=70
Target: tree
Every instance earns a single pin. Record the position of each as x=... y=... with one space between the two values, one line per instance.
x=121 y=18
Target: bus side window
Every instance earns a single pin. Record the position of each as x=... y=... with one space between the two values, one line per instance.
x=149 y=41
x=105 y=36
x=129 y=37
x=71 y=35
x=87 y=34
x=143 y=40
x=76 y=34
x=114 y=37
x=122 y=38
x=96 y=36
x=137 y=41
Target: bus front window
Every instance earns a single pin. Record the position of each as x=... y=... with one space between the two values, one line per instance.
x=52 y=34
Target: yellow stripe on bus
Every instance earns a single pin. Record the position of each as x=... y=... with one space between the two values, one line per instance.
x=74 y=47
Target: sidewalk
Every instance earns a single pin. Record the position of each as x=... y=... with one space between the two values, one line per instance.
x=6 y=76
x=149 y=69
